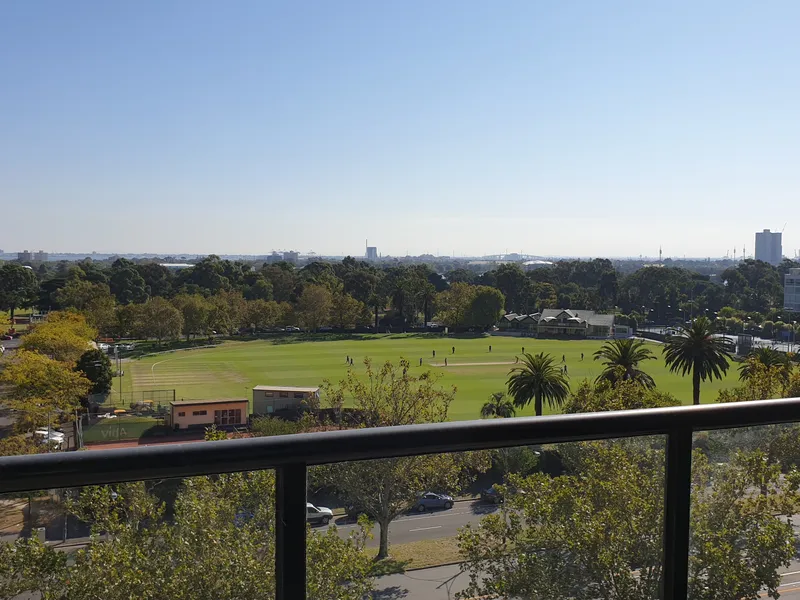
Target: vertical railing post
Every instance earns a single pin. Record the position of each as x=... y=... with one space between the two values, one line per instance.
x=678 y=495
x=290 y=532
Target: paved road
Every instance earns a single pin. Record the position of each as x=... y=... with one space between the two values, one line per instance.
x=426 y=526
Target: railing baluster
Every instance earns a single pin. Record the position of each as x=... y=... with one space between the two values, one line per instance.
x=676 y=512
x=290 y=532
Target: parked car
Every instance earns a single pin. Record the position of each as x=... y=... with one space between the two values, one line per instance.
x=292 y=329
x=492 y=495
x=326 y=328
x=318 y=514
x=431 y=500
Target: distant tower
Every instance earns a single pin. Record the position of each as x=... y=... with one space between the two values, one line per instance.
x=734 y=254
x=659 y=255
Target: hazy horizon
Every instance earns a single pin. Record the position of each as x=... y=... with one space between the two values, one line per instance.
x=577 y=129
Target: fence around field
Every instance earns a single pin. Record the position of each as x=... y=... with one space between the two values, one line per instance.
x=141 y=400
x=97 y=429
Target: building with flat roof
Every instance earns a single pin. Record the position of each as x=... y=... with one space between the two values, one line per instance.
x=194 y=414
x=791 y=290
x=768 y=247
x=372 y=253
x=268 y=399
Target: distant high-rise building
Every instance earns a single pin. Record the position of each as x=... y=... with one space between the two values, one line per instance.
x=274 y=258
x=768 y=247
x=791 y=290
x=291 y=257
x=24 y=256
x=372 y=253
x=40 y=256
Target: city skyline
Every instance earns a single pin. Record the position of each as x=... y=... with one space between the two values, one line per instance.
x=561 y=130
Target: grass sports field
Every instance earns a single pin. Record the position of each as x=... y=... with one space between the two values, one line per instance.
x=232 y=369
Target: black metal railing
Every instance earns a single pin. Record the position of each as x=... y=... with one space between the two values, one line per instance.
x=291 y=455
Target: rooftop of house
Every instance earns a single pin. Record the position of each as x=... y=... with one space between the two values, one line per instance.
x=207 y=401
x=278 y=388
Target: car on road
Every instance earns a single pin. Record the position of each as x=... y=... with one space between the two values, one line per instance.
x=292 y=329
x=326 y=328
x=492 y=495
x=318 y=515
x=430 y=500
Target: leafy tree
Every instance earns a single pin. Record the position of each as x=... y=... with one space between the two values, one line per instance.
x=195 y=311
x=695 y=350
x=486 y=307
x=40 y=388
x=346 y=311
x=768 y=357
x=18 y=445
x=262 y=314
x=622 y=358
x=227 y=311
x=126 y=284
x=158 y=280
x=453 y=304
x=625 y=394
x=18 y=287
x=384 y=489
x=160 y=320
x=128 y=318
x=537 y=379
x=259 y=289
x=573 y=536
x=96 y=367
x=64 y=336
x=219 y=544
x=314 y=306
x=498 y=405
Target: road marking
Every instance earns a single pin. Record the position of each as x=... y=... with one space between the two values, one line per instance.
x=790 y=573
x=424 y=528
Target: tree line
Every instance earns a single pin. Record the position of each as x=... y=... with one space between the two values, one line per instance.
x=351 y=293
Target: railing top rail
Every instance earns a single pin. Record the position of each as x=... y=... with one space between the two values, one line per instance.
x=74 y=469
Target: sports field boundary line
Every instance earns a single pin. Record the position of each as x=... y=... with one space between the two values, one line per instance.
x=475 y=364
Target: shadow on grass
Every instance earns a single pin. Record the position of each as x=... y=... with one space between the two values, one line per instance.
x=388 y=566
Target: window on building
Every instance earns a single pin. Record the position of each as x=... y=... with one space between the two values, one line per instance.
x=181 y=414
x=284 y=394
x=269 y=394
x=298 y=395
x=199 y=413
x=228 y=417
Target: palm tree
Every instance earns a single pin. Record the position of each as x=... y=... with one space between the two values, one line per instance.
x=498 y=406
x=696 y=349
x=768 y=357
x=537 y=379
x=621 y=359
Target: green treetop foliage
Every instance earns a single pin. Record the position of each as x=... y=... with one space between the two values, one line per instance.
x=40 y=388
x=695 y=350
x=384 y=489
x=538 y=379
x=621 y=360
x=18 y=287
x=219 y=544
x=96 y=367
x=64 y=336
x=597 y=533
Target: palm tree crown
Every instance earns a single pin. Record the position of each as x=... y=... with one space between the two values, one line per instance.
x=695 y=350
x=498 y=406
x=538 y=379
x=621 y=359
x=768 y=357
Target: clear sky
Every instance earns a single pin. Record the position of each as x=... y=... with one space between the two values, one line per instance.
x=582 y=128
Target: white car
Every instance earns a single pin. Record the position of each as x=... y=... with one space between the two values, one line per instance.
x=318 y=514
x=45 y=436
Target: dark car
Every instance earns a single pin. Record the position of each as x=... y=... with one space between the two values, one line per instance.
x=431 y=500
x=492 y=495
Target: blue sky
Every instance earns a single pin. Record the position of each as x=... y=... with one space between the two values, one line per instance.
x=577 y=128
